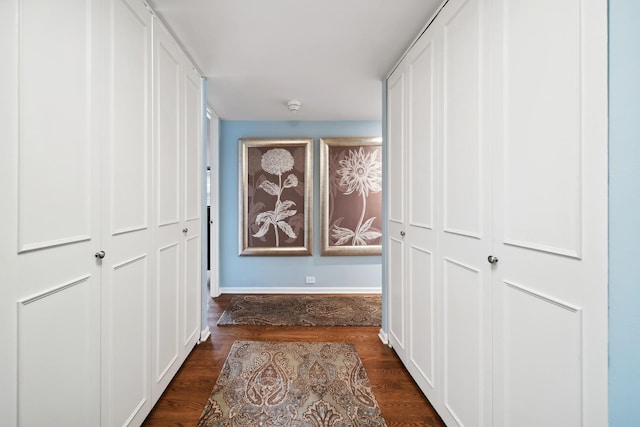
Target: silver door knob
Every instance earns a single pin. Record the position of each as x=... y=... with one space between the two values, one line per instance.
x=402 y=233
x=100 y=254
x=185 y=230
x=492 y=259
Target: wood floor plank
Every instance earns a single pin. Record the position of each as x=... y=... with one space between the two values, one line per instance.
x=400 y=400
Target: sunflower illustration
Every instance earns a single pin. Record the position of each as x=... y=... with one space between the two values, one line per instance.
x=360 y=172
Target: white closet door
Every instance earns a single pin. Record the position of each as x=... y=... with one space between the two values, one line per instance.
x=411 y=157
x=169 y=239
x=550 y=286
x=465 y=211
x=396 y=194
x=191 y=209
x=129 y=262
x=50 y=217
x=420 y=240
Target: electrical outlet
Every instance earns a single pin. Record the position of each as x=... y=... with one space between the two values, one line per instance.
x=310 y=279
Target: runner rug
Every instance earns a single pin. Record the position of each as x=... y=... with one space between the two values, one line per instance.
x=303 y=310
x=292 y=384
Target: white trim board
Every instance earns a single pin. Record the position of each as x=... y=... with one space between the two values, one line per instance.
x=382 y=334
x=204 y=335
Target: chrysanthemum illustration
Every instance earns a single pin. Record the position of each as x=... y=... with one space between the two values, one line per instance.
x=276 y=162
x=360 y=172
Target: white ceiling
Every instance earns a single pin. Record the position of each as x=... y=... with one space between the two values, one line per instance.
x=329 y=54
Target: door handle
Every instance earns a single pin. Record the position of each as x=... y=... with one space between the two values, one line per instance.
x=100 y=254
x=402 y=233
x=185 y=230
x=492 y=259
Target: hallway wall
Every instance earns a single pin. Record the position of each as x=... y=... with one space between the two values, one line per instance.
x=284 y=273
x=624 y=212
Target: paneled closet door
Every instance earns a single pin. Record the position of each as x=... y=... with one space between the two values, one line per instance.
x=128 y=265
x=411 y=139
x=550 y=234
x=50 y=230
x=169 y=237
x=178 y=151
x=465 y=212
x=420 y=240
x=396 y=194
x=191 y=208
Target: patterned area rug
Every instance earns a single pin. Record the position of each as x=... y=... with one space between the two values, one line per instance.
x=307 y=310
x=292 y=384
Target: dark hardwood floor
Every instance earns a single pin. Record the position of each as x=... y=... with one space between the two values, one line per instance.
x=400 y=400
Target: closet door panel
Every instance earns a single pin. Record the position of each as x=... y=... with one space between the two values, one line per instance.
x=192 y=143
x=168 y=103
x=396 y=104
x=130 y=116
x=55 y=123
x=128 y=265
x=396 y=295
x=465 y=230
x=169 y=237
x=395 y=150
x=420 y=238
x=463 y=343
x=192 y=173
x=548 y=375
x=166 y=325
x=422 y=131
x=462 y=149
x=59 y=389
x=543 y=126
x=550 y=199
x=191 y=294
x=9 y=18
x=126 y=342
x=422 y=317
x=50 y=182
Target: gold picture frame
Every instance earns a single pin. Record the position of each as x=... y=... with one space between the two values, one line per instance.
x=276 y=193
x=351 y=195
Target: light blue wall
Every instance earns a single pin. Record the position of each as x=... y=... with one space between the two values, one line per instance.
x=257 y=271
x=624 y=213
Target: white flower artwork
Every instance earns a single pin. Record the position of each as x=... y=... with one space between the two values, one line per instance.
x=351 y=189
x=277 y=161
x=362 y=173
x=276 y=189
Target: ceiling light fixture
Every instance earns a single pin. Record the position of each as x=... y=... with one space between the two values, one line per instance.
x=294 y=105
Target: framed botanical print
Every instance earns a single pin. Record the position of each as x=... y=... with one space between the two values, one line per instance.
x=351 y=195
x=276 y=196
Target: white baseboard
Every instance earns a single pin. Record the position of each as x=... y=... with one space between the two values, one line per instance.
x=204 y=334
x=383 y=337
x=299 y=290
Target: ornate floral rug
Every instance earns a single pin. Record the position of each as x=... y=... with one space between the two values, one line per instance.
x=303 y=310
x=293 y=384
